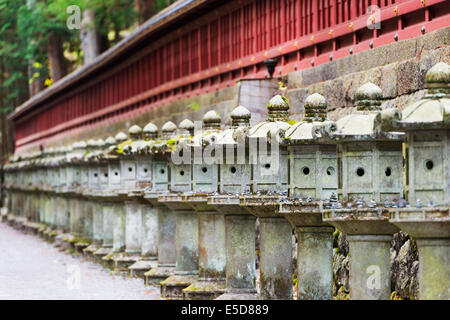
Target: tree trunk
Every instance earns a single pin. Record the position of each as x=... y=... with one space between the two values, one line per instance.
x=33 y=86
x=145 y=10
x=56 y=58
x=90 y=41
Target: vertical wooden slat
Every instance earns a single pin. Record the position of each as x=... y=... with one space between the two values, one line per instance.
x=209 y=46
x=219 y=39
x=254 y=27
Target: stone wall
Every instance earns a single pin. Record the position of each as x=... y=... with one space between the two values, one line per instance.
x=398 y=69
x=254 y=94
x=404 y=267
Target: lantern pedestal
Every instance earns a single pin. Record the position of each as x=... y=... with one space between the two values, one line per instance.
x=186 y=247
x=275 y=247
x=119 y=221
x=314 y=250
x=133 y=237
x=97 y=225
x=108 y=227
x=240 y=249
x=166 y=241
x=369 y=235
x=212 y=251
x=149 y=241
x=430 y=228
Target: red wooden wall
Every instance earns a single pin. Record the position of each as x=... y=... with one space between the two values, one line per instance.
x=225 y=45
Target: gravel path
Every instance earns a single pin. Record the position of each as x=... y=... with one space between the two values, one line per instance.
x=30 y=268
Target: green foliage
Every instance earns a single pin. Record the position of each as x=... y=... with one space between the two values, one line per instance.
x=25 y=27
x=193 y=106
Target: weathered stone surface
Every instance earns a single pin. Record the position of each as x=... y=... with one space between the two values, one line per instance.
x=366 y=60
x=404 y=267
x=341 y=261
x=402 y=270
x=402 y=81
x=342 y=244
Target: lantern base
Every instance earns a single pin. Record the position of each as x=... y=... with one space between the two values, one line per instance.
x=204 y=290
x=141 y=267
x=172 y=287
x=158 y=274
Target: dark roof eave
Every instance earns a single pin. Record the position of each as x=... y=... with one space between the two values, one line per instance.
x=149 y=26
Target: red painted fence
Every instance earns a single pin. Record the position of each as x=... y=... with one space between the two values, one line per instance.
x=227 y=44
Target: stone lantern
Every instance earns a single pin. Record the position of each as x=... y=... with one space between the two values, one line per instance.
x=52 y=211
x=89 y=181
x=131 y=163
x=65 y=192
x=115 y=206
x=31 y=224
x=370 y=181
x=13 y=167
x=149 y=215
x=313 y=177
x=7 y=184
x=42 y=187
x=25 y=191
x=63 y=214
x=269 y=187
x=77 y=162
x=45 y=193
x=14 y=187
x=186 y=221
x=73 y=176
x=235 y=179
x=211 y=223
x=159 y=151
x=106 y=198
x=427 y=220
x=20 y=217
x=98 y=177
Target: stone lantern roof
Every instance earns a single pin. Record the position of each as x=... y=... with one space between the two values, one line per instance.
x=150 y=137
x=100 y=143
x=208 y=134
x=95 y=150
x=168 y=129
x=240 y=125
x=150 y=132
x=186 y=127
x=277 y=119
x=433 y=110
x=368 y=97
x=121 y=137
x=211 y=120
x=135 y=143
x=278 y=109
x=182 y=138
x=78 y=149
x=315 y=127
x=135 y=132
x=240 y=116
x=159 y=146
x=110 y=141
x=369 y=122
x=315 y=108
